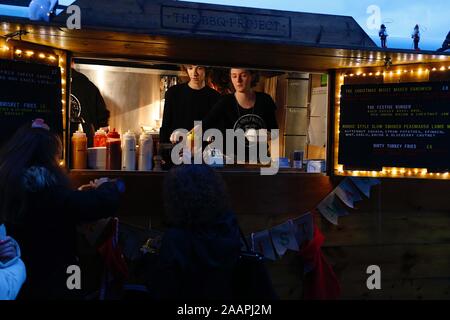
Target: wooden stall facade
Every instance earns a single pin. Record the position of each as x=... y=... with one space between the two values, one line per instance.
x=403 y=227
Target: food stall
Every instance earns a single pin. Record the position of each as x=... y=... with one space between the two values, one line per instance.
x=304 y=60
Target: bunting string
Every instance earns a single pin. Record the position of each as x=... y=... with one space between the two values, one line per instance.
x=290 y=235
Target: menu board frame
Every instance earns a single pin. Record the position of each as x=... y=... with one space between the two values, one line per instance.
x=28 y=91
x=395 y=125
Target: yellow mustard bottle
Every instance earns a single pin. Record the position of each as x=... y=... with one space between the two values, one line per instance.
x=79 y=149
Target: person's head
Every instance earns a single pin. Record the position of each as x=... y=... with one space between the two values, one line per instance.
x=220 y=80
x=382 y=26
x=33 y=144
x=197 y=75
x=416 y=27
x=194 y=196
x=243 y=79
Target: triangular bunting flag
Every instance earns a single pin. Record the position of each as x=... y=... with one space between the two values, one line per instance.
x=364 y=184
x=263 y=244
x=340 y=209
x=303 y=228
x=331 y=209
x=347 y=193
x=283 y=238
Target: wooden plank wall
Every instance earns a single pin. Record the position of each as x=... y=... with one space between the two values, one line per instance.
x=403 y=228
x=259 y=201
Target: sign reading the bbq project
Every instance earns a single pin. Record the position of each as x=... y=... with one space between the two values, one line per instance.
x=395 y=125
x=28 y=91
x=220 y=21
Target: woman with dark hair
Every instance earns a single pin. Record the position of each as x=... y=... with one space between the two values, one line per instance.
x=201 y=246
x=244 y=109
x=41 y=210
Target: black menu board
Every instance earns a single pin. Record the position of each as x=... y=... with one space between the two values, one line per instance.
x=28 y=91
x=395 y=125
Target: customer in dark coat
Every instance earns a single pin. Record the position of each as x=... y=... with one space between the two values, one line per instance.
x=41 y=210
x=201 y=247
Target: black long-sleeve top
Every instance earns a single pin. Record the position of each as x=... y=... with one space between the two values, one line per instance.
x=184 y=105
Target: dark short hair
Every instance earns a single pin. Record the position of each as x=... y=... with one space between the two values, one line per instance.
x=207 y=69
x=194 y=196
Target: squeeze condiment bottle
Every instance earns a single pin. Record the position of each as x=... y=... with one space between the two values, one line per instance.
x=145 y=160
x=113 y=151
x=129 y=151
x=100 y=138
x=79 y=149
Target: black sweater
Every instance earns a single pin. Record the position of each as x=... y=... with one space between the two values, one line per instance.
x=226 y=113
x=183 y=106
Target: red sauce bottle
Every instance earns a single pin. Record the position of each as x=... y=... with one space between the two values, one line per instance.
x=100 y=138
x=113 y=151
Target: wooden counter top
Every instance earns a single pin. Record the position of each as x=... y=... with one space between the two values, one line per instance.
x=272 y=199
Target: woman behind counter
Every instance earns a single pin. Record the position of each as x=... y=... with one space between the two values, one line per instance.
x=244 y=109
x=187 y=102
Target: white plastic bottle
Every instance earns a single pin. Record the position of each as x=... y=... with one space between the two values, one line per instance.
x=145 y=161
x=129 y=151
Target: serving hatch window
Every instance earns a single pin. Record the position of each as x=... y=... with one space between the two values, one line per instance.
x=135 y=96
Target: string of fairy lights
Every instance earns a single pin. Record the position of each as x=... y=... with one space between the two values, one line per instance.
x=395 y=172
x=419 y=71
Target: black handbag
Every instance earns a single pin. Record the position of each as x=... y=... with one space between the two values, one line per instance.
x=251 y=279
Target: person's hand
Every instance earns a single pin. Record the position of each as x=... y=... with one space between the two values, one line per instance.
x=179 y=134
x=93 y=184
x=98 y=182
x=174 y=137
x=85 y=187
x=8 y=249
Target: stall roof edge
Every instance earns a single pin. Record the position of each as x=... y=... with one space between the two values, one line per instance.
x=165 y=17
x=149 y=37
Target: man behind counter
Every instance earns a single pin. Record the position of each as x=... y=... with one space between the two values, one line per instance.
x=187 y=102
x=88 y=106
